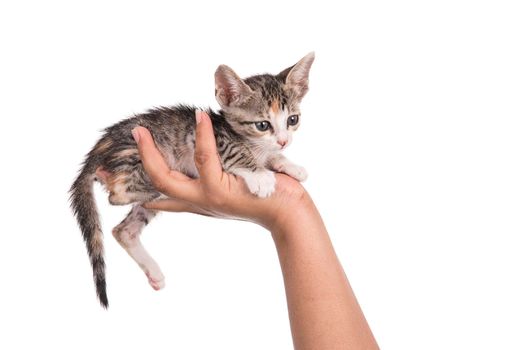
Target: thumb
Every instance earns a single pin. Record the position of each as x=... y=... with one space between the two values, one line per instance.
x=207 y=159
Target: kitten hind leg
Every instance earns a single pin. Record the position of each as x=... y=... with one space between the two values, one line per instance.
x=127 y=233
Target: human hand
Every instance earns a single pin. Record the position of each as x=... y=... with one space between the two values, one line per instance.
x=215 y=192
x=323 y=311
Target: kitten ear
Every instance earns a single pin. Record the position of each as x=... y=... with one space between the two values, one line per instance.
x=297 y=77
x=230 y=89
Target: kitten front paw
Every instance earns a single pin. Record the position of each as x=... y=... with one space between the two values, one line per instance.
x=297 y=172
x=293 y=170
x=260 y=183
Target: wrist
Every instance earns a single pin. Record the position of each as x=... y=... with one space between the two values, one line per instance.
x=294 y=218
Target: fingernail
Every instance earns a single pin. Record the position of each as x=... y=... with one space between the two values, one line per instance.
x=198 y=116
x=136 y=134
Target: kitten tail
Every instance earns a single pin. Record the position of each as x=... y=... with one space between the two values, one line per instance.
x=84 y=209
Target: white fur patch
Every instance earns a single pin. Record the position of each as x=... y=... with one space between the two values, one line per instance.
x=260 y=182
x=284 y=165
x=281 y=131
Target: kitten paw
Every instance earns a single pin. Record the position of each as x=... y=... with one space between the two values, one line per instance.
x=260 y=183
x=295 y=171
x=157 y=281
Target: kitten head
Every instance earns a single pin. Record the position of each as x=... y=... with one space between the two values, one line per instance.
x=264 y=108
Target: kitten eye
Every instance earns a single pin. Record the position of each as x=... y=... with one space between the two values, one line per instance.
x=292 y=120
x=262 y=126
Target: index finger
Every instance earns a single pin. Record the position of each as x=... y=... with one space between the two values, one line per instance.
x=207 y=159
x=164 y=179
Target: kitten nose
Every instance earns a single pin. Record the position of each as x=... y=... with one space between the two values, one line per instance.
x=282 y=143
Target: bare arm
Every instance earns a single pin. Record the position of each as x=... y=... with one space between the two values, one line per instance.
x=323 y=311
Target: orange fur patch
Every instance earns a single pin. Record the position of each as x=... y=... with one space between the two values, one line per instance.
x=127 y=152
x=102 y=175
x=96 y=243
x=116 y=185
x=275 y=106
x=102 y=146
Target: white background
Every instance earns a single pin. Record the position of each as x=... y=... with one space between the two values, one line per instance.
x=412 y=133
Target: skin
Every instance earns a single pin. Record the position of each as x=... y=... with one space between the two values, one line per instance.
x=323 y=310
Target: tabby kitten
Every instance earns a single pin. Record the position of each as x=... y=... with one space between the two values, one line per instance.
x=258 y=117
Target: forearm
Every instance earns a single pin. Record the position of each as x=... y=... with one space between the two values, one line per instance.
x=323 y=310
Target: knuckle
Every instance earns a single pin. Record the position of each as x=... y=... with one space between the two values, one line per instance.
x=201 y=158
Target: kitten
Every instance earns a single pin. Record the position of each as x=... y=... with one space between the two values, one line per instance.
x=258 y=117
